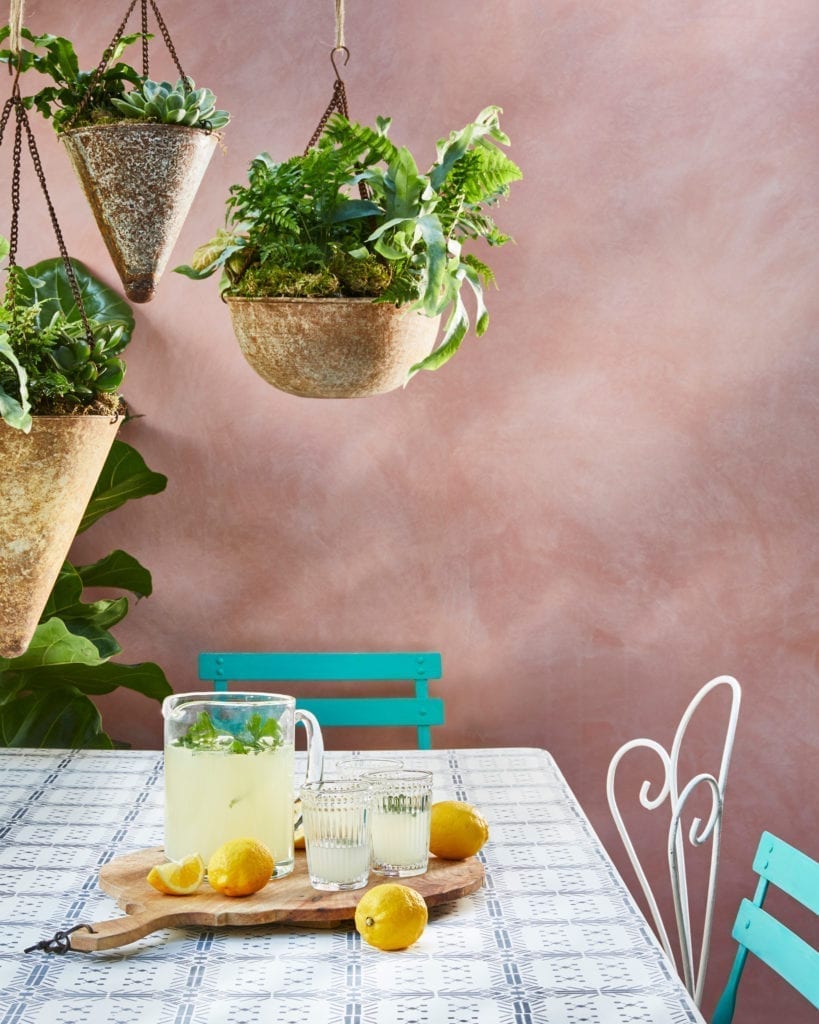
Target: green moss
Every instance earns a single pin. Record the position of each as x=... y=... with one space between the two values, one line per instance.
x=367 y=277
x=265 y=280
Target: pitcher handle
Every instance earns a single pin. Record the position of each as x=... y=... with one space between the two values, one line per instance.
x=315 y=745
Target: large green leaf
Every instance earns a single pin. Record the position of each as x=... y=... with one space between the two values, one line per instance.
x=15 y=413
x=65 y=596
x=120 y=570
x=101 y=615
x=145 y=678
x=65 y=600
x=52 y=718
x=124 y=476
x=104 y=642
x=47 y=283
x=54 y=644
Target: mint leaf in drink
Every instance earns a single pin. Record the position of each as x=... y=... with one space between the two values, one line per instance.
x=264 y=728
x=202 y=733
x=258 y=734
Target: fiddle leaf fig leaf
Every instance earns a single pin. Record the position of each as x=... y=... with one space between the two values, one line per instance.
x=124 y=476
x=61 y=717
x=54 y=644
x=120 y=570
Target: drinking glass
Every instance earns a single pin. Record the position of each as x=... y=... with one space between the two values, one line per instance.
x=229 y=771
x=336 y=833
x=399 y=821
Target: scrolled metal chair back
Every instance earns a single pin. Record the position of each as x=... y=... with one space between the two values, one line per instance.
x=693 y=974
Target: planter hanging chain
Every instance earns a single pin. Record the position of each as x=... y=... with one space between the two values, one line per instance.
x=15 y=102
x=109 y=52
x=338 y=101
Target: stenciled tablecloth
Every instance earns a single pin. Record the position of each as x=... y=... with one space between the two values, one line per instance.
x=553 y=938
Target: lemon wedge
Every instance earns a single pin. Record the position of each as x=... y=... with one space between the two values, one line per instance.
x=178 y=878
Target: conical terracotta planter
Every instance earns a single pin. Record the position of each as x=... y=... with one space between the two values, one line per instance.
x=140 y=180
x=331 y=348
x=46 y=480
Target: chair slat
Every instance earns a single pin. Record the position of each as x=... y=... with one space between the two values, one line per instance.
x=789 y=870
x=374 y=711
x=324 y=666
x=781 y=949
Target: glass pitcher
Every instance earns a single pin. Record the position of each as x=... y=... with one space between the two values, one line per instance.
x=229 y=771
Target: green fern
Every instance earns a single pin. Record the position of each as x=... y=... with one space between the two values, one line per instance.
x=296 y=222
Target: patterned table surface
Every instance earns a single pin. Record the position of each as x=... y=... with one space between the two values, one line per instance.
x=553 y=938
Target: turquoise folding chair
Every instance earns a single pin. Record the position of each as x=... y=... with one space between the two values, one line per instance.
x=757 y=932
x=418 y=667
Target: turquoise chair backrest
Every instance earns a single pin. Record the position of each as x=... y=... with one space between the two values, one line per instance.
x=757 y=932
x=418 y=667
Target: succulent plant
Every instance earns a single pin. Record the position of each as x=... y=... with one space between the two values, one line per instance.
x=172 y=104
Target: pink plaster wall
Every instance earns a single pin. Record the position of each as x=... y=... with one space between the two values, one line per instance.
x=610 y=498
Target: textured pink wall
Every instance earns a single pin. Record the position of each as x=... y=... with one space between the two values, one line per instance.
x=611 y=497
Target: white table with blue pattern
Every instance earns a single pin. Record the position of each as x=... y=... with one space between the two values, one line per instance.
x=553 y=938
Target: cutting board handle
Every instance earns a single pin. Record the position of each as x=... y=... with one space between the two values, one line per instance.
x=121 y=930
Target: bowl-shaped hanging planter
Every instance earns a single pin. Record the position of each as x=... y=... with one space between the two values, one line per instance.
x=331 y=348
x=46 y=479
x=140 y=180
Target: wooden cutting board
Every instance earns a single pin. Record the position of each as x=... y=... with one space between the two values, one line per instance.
x=288 y=900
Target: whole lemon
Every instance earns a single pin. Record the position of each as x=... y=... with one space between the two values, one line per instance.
x=240 y=867
x=457 y=830
x=391 y=916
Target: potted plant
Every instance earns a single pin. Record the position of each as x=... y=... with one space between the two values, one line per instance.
x=336 y=296
x=46 y=691
x=138 y=147
x=59 y=413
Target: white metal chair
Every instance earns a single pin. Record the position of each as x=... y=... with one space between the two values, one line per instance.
x=677 y=796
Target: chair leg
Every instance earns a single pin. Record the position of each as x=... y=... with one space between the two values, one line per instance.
x=724 y=1013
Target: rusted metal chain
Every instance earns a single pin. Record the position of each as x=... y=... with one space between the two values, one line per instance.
x=109 y=51
x=145 y=58
x=171 y=49
x=98 y=70
x=22 y=124
x=338 y=102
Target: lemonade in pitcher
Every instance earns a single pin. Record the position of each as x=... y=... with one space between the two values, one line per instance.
x=229 y=772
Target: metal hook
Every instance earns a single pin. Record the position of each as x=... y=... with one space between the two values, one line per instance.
x=61 y=943
x=333 y=53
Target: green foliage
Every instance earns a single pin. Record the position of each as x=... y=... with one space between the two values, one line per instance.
x=257 y=734
x=124 y=476
x=55 y=57
x=45 y=693
x=58 y=61
x=172 y=104
x=47 y=364
x=300 y=224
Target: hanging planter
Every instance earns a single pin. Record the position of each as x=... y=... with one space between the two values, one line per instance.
x=331 y=348
x=335 y=294
x=140 y=180
x=139 y=155
x=46 y=479
x=61 y=334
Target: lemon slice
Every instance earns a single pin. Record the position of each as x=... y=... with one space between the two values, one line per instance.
x=178 y=878
x=298 y=826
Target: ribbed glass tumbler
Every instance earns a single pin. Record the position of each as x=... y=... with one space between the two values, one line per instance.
x=336 y=833
x=399 y=821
